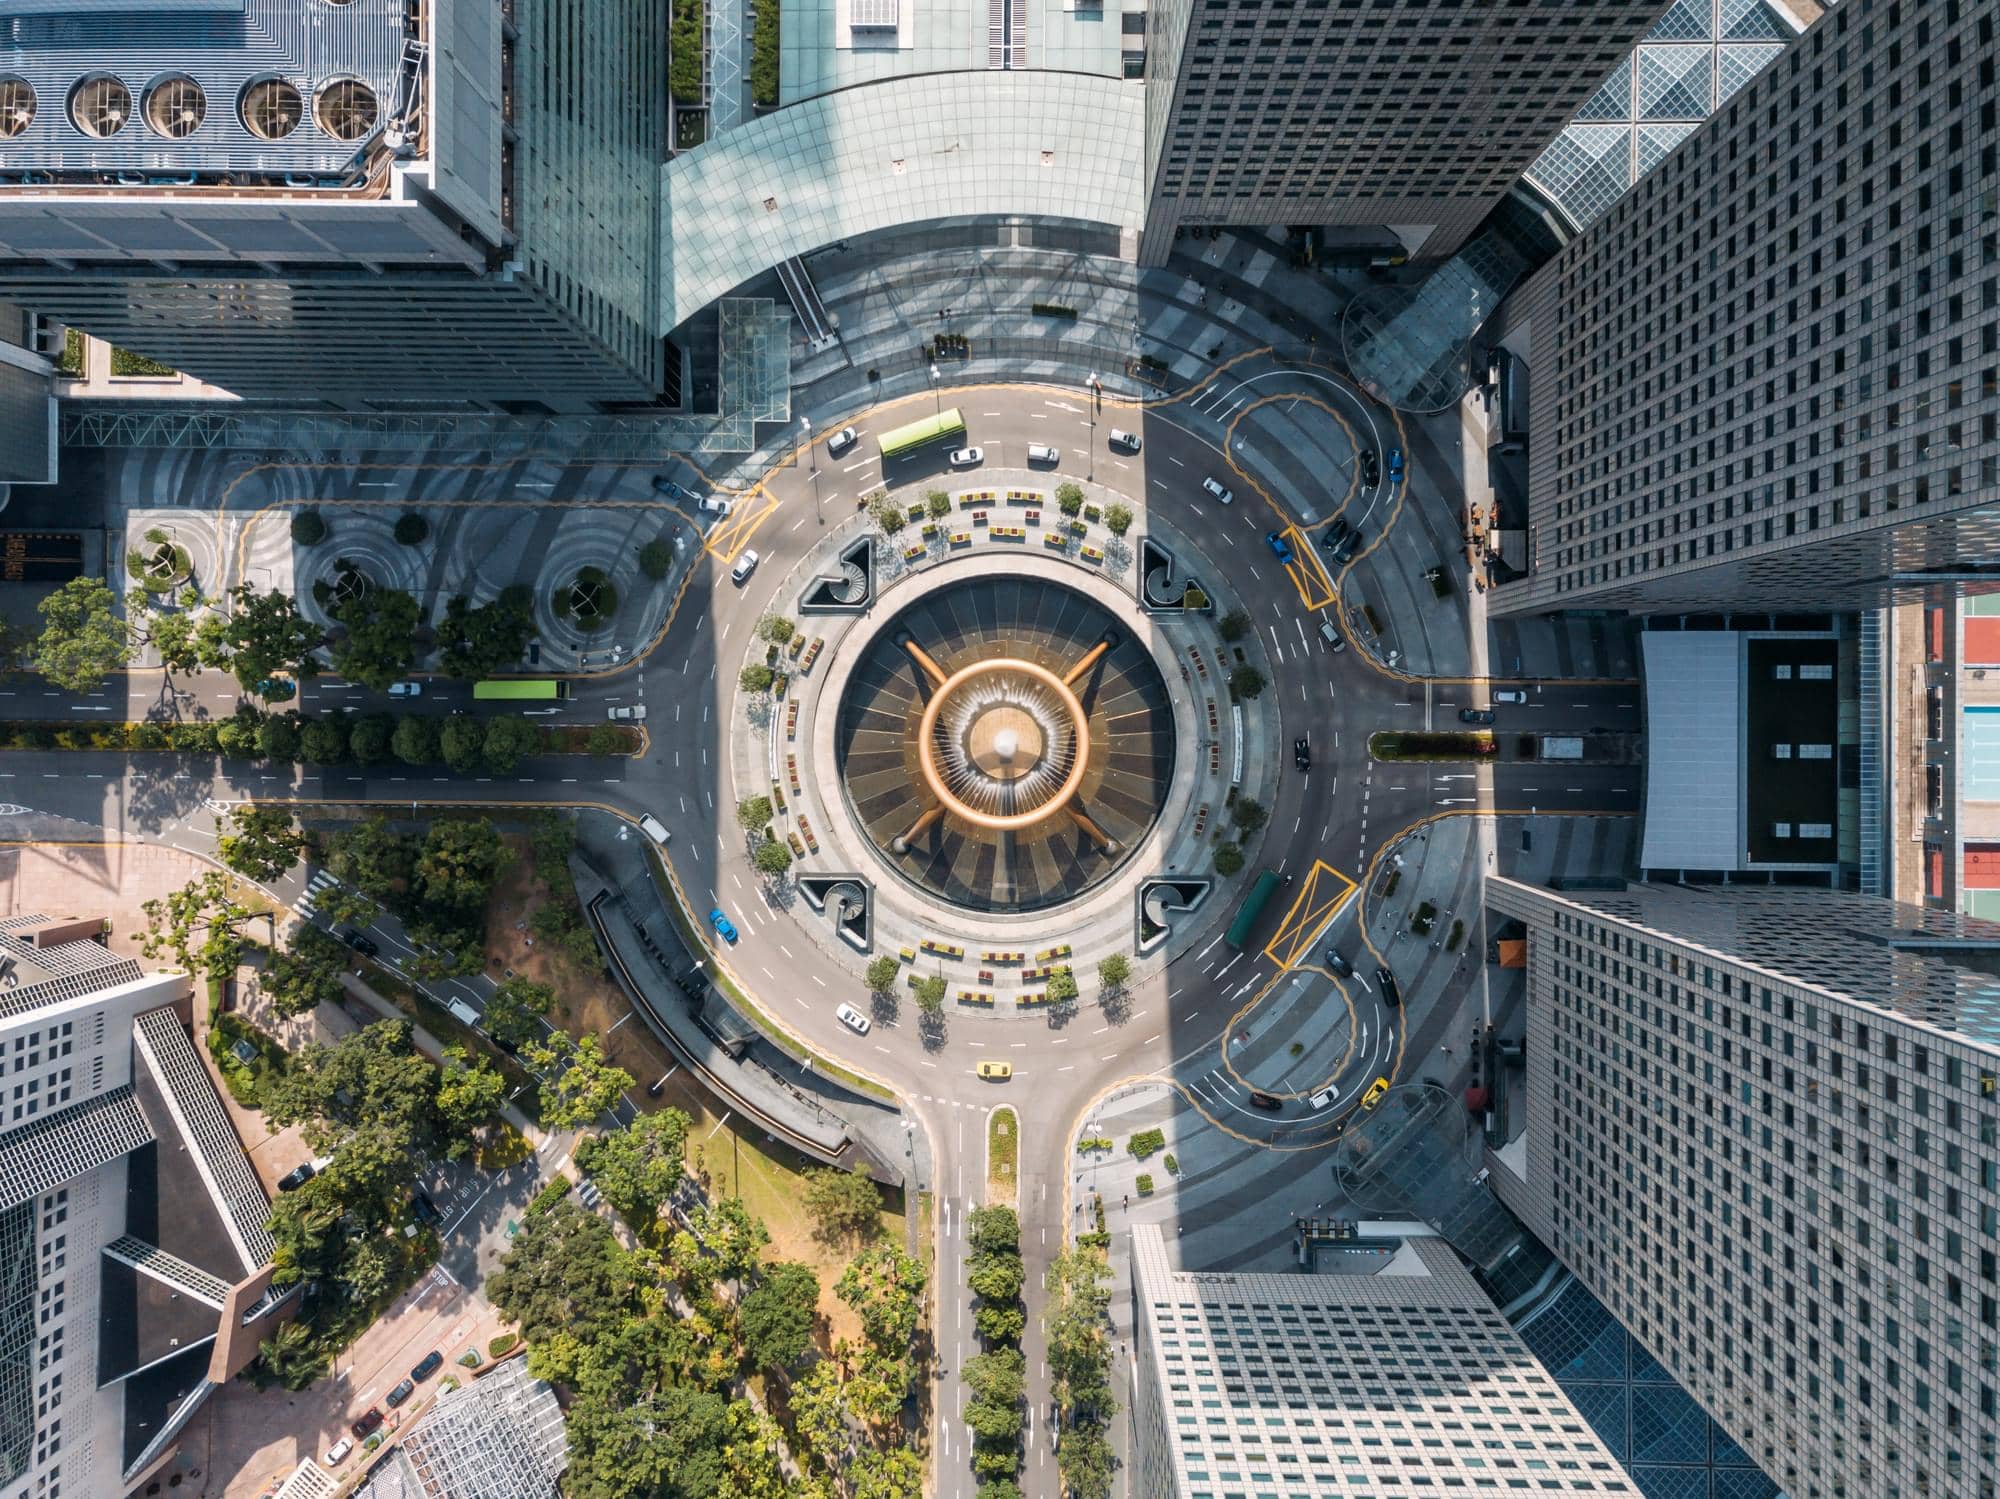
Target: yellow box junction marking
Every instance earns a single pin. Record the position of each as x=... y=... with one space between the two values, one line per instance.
x=1326 y=891
x=1307 y=572
x=735 y=529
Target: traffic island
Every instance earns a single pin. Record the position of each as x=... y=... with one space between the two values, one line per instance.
x=1003 y=1155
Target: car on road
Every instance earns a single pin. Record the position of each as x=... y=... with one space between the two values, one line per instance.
x=1344 y=550
x=406 y=689
x=1510 y=695
x=1336 y=532
x=1302 y=752
x=745 y=565
x=1041 y=452
x=1332 y=637
x=853 y=1019
x=841 y=441
x=365 y=945
x=1339 y=964
x=365 y=1423
x=1374 y=1094
x=402 y=1392
x=1268 y=1101
x=1280 y=548
x=1395 y=465
x=672 y=490
x=1386 y=982
x=1371 y=468
x=724 y=927
x=1475 y=715
x=715 y=504
x=997 y=1072
x=1324 y=1097
x=654 y=829
x=337 y=1453
x=1129 y=441
x=428 y=1365
x=967 y=457
x=636 y=713
x=1218 y=491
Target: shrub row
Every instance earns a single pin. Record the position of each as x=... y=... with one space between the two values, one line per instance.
x=297 y=738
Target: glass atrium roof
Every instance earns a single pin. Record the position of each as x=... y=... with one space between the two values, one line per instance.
x=1697 y=55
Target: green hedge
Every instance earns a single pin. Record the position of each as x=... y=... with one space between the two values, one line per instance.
x=125 y=362
x=685 y=40
x=1146 y=1142
x=208 y=737
x=764 y=55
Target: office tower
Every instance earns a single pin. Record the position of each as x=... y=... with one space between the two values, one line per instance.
x=1412 y=116
x=134 y=1260
x=374 y=202
x=1309 y=1385
x=1769 y=376
x=1763 y=1130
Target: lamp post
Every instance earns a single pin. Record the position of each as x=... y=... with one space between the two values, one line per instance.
x=813 y=456
x=937 y=401
x=1096 y=397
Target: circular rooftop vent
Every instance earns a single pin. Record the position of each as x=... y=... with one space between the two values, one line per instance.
x=175 y=107
x=100 y=105
x=346 y=109
x=270 y=108
x=17 y=105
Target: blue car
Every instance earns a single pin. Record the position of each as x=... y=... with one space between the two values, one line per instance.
x=1395 y=465
x=724 y=928
x=1280 y=548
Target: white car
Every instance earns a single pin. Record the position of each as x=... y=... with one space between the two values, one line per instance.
x=654 y=829
x=406 y=689
x=634 y=714
x=338 y=1451
x=1129 y=441
x=841 y=441
x=745 y=565
x=1218 y=491
x=1324 y=1097
x=967 y=457
x=1510 y=695
x=1041 y=452
x=715 y=504
x=853 y=1019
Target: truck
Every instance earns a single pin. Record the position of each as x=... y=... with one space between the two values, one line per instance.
x=1261 y=891
x=1561 y=747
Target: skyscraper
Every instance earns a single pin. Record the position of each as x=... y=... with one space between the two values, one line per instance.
x=1763 y=1128
x=1769 y=375
x=364 y=202
x=1412 y=115
x=134 y=1259
x=1308 y=1385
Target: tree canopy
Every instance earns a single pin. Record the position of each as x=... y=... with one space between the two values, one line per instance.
x=264 y=843
x=637 y=1167
x=305 y=976
x=775 y=1319
x=83 y=639
x=380 y=640
x=844 y=1205
x=264 y=637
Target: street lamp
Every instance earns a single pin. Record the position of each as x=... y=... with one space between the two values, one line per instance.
x=806 y=423
x=1096 y=397
x=937 y=401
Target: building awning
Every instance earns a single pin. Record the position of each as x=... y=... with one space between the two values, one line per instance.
x=1694 y=775
x=1513 y=953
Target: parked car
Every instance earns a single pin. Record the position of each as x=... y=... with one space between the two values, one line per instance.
x=997 y=1072
x=1475 y=715
x=1041 y=452
x=724 y=927
x=715 y=504
x=672 y=490
x=636 y=713
x=1129 y=441
x=361 y=943
x=1339 y=964
x=1280 y=548
x=841 y=441
x=967 y=457
x=1218 y=491
x=403 y=1391
x=426 y=1211
x=1266 y=1101
x=1395 y=465
x=302 y=1173
x=337 y=1453
x=1385 y=981
x=1302 y=752
x=1374 y=1094
x=853 y=1019
x=366 y=1422
x=745 y=565
x=406 y=689
x=428 y=1365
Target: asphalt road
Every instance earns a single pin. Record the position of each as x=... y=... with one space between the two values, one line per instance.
x=1340 y=812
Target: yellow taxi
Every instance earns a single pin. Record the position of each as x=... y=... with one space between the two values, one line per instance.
x=1374 y=1094
x=997 y=1072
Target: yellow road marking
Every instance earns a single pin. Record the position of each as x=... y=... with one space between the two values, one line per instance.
x=1307 y=572
x=1309 y=914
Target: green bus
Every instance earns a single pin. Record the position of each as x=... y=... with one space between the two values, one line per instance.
x=949 y=422
x=1252 y=908
x=520 y=690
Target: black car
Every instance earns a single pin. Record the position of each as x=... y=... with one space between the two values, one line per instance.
x=1391 y=995
x=1339 y=964
x=1371 y=467
x=1266 y=1101
x=401 y=1393
x=297 y=1177
x=427 y=1366
x=361 y=943
x=424 y=1208
x=364 y=1423
x=1336 y=532
x=1344 y=553
x=1475 y=715
x=1302 y=754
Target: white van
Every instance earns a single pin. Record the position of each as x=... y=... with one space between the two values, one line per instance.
x=462 y=1012
x=745 y=565
x=654 y=829
x=1129 y=441
x=1041 y=452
